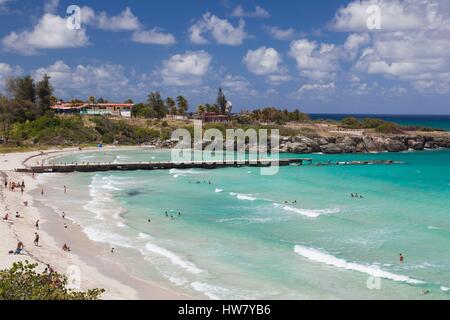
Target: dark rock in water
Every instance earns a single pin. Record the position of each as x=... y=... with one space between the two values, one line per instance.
x=331 y=148
x=133 y=193
x=394 y=145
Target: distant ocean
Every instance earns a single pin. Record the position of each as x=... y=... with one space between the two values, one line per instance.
x=237 y=239
x=432 y=121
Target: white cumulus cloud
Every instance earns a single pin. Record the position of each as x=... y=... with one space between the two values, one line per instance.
x=51 y=32
x=153 y=36
x=258 y=12
x=217 y=29
x=186 y=69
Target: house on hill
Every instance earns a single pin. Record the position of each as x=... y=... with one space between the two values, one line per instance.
x=105 y=109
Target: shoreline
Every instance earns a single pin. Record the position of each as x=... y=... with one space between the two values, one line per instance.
x=97 y=267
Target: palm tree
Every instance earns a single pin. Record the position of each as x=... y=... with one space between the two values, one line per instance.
x=91 y=100
x=182 y=105
x=201 y=110
x=170 y=103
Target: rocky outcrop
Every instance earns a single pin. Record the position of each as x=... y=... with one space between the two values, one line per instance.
x=363 y=144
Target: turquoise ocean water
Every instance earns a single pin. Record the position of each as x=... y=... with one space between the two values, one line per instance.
x=238 y=239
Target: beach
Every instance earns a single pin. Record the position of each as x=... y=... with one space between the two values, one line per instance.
x=233 y=234
x=98 y=267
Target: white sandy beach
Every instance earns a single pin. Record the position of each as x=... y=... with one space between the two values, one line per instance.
x=99 y=268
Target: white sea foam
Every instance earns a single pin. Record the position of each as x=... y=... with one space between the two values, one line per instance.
x=172 y=257
x=241 y=196
x=445 y=289
x=310 y=213
x=246 y=219
x=109 y=237
x=328 y=259
x=102 y=203
x=218 y=190
x=142 y=235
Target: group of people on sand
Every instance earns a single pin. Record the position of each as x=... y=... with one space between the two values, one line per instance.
x=355 y=195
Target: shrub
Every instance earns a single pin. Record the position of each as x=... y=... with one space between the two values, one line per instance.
x=388 y=127
x=22 y=282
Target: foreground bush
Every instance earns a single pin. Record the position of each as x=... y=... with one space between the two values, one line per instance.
x=22 y=282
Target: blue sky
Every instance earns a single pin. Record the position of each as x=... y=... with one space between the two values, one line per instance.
x=318 y=56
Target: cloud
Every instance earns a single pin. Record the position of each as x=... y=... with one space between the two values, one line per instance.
x=50 y=6
x=414 y=49
x=125 y=21
x=237 y=84
x=317 y=62
x=51 y=32
x=395 y=15
x=219 y=30
x=353 y=44
x=258 y=12
x=153 y=36
x=266 y=62
x=263 y=61
x=186 y=69
x=280 y=34
x=8 y=71
x=108 y=80
x=317 y=87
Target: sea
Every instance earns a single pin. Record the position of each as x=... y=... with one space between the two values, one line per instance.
x=233 y=233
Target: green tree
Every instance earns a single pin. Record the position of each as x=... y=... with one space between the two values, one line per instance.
x=182 y=105
x=91 y=100
x=22 y=282
x=156 y=103
x=351 y=123
x=201 y=110
x=22 y=88
x=171 y=106
x=6 y=118
x=44 y=91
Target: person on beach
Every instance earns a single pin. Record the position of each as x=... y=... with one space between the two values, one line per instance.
x=112 y=250
x=66 y=248
x=6 y=217
x=17 y=214
x=179 y=214
x=149 y=220
x=37 y=225
x=6 y=183
x=402 y=259
x=63 y=215
x=42 y=191
x=167 y=215
x=65 y=189
x=19 y=248
x=21 y=190
x=36 y=239
x=65 y=225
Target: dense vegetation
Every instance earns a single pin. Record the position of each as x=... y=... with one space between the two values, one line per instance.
x=379 y=125
x=22 y=282
x=26 y=119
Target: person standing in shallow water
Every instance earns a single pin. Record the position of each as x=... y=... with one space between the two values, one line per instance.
x=402 y=259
